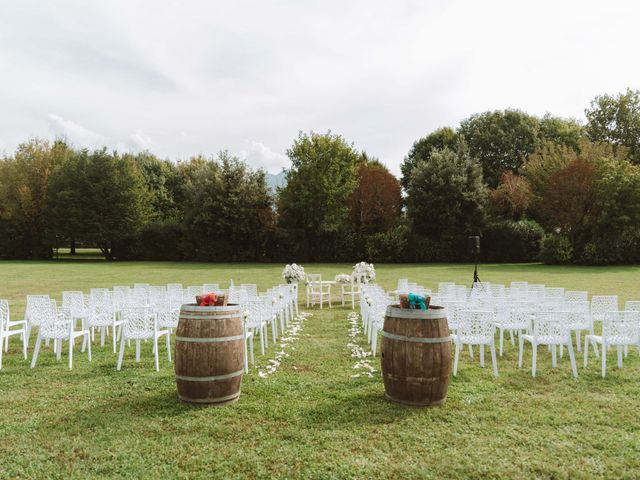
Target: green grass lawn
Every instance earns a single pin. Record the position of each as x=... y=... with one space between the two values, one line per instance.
x=311 y=419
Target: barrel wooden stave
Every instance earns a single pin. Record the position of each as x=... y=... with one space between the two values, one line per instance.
x=200 y=355
x=416 y=373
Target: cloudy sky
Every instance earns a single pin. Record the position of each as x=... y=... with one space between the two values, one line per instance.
x=186 y=77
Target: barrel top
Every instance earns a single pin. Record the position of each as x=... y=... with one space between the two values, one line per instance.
x=192 y=307
x=432 y=314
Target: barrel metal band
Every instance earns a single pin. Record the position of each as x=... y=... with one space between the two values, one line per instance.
x=209 y=340
x=393 y=336
x=210 y=400
x=226 y=376
x=209 y=316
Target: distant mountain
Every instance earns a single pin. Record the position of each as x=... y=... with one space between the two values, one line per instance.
x=276 y=180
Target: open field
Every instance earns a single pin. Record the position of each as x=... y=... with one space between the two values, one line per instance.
x=311 y=419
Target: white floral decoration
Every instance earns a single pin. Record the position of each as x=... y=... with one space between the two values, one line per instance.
x=365 y=270
x=363 y=363
x=343 y=278
x=288 y=337
x=293 y=273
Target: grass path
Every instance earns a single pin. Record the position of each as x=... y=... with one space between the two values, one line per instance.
x=311 y=419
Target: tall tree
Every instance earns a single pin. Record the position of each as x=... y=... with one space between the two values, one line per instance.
x=161 y=179
x=512 y=197
x=375 y=204
x=447 y=194
x=561 y=131
x=321 y=180
x=444 y=137
x=24 y=180
x=616 y=120
x=500 y=140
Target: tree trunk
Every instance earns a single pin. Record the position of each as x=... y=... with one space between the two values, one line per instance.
x=72 y=247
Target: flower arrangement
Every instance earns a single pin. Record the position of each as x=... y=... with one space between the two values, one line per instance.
x=343 y=278
x=293 y=273
x=365 y=271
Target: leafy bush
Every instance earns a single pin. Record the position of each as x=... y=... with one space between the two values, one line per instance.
x=511 y=241
x=556 y=250
x=388 y=247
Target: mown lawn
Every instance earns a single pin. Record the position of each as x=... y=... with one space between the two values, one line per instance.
x=311 y=419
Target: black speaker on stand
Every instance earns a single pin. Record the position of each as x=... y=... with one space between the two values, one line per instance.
x=474 y=250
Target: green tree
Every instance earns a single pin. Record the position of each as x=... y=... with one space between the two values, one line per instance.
x=616 y=120
x=376 y=203
x=561 y=131
x=500 y=140
x=321 y=180
x=24 y=181
x=228 y=209
x=447 y=194
x=161 y=179
x=444 y=137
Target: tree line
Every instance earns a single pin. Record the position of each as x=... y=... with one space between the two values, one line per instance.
x=535 y=188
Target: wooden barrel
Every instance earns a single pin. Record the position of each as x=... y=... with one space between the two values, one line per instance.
x=416 y=356
x=209 y=360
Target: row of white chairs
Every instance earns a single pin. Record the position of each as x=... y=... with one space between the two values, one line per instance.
x=143 y=312
x=534 y=313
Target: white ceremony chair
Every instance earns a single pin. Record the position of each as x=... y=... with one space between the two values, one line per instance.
x=254 y=322
x=139 y=323
x=514 y=318
x=37 y=306
x=7 y=330
x=554 y=292
x=619 y=329
x=549 y=328
x=632 y=306
x=58 y=325
x=192 y=292
x=475 y=327
x=350 y=290
x=576 y=296
x=403 y=285
x=250 y=288
x=317 y=290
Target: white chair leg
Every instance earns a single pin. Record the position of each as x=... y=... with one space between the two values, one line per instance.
x=102 y=335
x=246 y=354
x=572 y=359
x=511 y=336
x=25 y=341
x=115 y=339
x=534 y=359
x=493 y=358
x=456 y=355
x=471 y=351
x=70 y=353
x=121 y=356
x=502 y=340
x=619 y=349
x=168 y=347
x=57 y=344
x=604 y=360
x=155 y=344
x=253 y=360
x=520 y=348
x=586 y=350
x=374 y=340
x=88 y=339
x=578 y=346
x=36 y=350
x=482 y=355
x=137 y=351
x=554 y=361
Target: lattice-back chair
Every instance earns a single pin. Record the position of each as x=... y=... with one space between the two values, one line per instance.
x=255 y=323
x=632 y=306
x=578 y=319
x=192 y=292
x=576 y=296
x=554 y=292
x=497 y=291
x=513 y=317
x=73 y=302
x=250 y=288
x=101 y=314
x=600 y=304
x=141 y=286
x=174 y=286
x=140 y=323
x=475 y=327
x=9 y=328
x=58 y=325
x=619 y=329
x=550 y=328
x=536 y=290
x=36 y=310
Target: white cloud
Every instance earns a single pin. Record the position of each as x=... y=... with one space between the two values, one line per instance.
x=382 y=74
x=258 y=155
x=74 y=132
